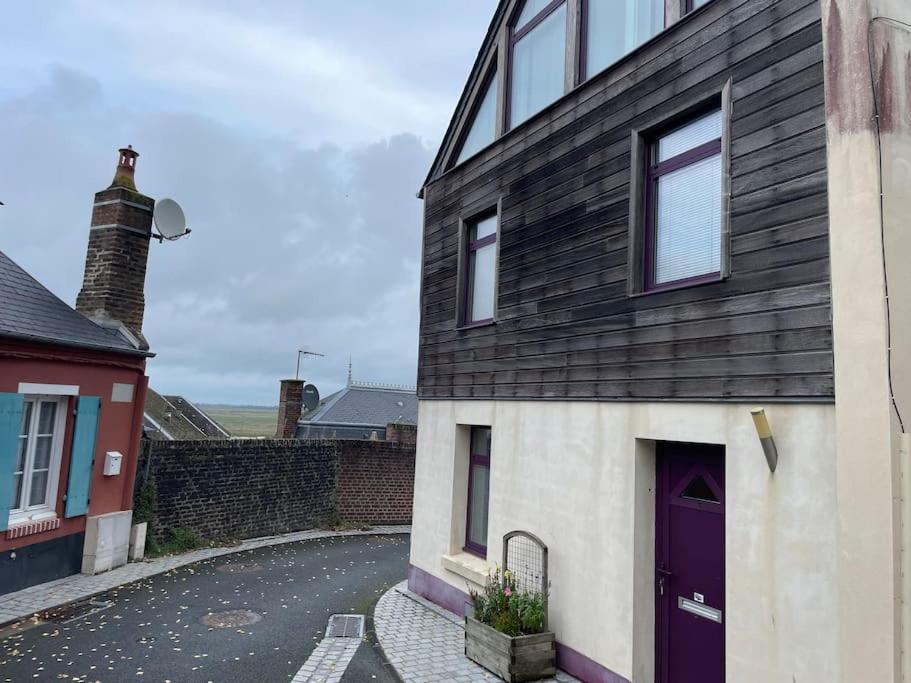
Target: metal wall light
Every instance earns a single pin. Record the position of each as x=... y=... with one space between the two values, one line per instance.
x=765 y=437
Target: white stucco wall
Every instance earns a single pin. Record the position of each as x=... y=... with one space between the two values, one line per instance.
x=868 y=467
x=581 y=476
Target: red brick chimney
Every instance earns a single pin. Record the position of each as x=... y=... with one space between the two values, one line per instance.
x=113 y=286
x=290 y=400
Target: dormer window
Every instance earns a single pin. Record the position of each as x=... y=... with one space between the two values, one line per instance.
x=483 y=128
x=537 y=59
x=613 y=29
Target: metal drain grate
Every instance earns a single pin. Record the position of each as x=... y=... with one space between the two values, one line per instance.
x=345 y=626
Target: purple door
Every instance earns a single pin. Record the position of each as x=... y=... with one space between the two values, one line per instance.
x=689 y=558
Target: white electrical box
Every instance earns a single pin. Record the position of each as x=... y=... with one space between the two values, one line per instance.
x=112 y=462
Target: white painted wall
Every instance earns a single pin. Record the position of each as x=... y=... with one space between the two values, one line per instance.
x=581 y=476
x=868 y=433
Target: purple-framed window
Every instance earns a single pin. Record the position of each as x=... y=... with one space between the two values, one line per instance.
x=690 y=5
x=478 y=491
x=611 y=30
x=481 y=273
x=683 y=205
x=537 y=59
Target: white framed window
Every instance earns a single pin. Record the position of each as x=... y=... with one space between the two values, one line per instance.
x=38 y=457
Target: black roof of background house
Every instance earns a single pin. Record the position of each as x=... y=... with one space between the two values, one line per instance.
x=359 y=410
x=31 y=312
x=172 y=418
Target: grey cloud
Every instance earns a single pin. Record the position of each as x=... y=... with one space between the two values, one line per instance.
x=290 y=246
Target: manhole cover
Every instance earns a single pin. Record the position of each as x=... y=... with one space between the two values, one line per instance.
x=239 y=567
x=232 y=618
x=345 y=626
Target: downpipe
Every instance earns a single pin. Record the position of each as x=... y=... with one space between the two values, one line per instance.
x=904 y=452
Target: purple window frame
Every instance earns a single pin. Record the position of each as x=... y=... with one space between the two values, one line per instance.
x=475 y=460
x=583 y=39
x=653 y=173
x=515 y=37
x=690 y=6
x=470 y=248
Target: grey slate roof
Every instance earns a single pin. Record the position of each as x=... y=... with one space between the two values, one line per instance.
x=28 y=310
x=366 y=405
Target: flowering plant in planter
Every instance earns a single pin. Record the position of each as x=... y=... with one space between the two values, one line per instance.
x=505 y=608
x=506 y=634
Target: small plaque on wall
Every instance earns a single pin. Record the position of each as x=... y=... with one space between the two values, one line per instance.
x=122 y=393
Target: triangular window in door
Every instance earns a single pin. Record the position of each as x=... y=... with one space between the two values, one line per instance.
x=699 y=489
x=483 y=128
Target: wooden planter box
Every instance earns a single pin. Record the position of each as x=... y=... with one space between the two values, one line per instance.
x=523 y=658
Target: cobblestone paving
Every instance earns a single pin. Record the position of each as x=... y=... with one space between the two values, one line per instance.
x=328 y=661
x=23 y=604
x=425 y=643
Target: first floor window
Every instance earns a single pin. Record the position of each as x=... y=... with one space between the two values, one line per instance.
x=38 y=457
x=683 y=204
x=478 y=491
x=481 y=270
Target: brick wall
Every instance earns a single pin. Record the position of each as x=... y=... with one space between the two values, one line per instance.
x=402 y=433
x=248 y=488
x=375 y=481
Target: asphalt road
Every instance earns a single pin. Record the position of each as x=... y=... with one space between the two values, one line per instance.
x=154 y=630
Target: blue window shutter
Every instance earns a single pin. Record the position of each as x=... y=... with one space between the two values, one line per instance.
x=84 y=437
x=10 y=422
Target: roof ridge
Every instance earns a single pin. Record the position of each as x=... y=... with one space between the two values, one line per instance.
x=380 y=386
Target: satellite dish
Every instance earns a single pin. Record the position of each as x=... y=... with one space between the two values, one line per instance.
x=311 y=397
x=169 y=219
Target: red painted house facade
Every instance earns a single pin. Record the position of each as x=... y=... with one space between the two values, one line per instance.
x=72 y=390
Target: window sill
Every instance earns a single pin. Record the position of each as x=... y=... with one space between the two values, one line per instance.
x=708 y=280
x=474 y=326
x=20 y=518
x=37 y=524
x=467 y=566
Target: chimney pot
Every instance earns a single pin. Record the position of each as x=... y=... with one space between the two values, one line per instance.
x=124 y=176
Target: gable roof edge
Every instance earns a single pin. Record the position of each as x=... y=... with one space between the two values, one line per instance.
x=462 y=106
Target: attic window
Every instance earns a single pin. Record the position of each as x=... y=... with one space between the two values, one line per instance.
x=483 y=128
x=613 y=29
x=537 y=58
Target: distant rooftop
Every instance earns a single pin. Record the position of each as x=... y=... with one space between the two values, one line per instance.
x=367 y=404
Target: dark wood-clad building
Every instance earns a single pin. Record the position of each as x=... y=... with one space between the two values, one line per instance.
x=637 y=292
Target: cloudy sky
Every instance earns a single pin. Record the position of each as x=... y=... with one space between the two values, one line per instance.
x=295 y=134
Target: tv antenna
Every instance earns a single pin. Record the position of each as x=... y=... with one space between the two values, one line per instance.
x=169 y=220
x=302 y=352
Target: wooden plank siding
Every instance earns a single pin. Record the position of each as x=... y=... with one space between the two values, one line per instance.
x=567 y=326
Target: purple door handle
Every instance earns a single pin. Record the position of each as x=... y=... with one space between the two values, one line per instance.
x=663 y=576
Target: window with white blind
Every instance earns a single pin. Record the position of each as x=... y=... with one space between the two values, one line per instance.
x=537 y=58
x=683 y=214
x=38 y=458
x=481 y=272
x=613 y=28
